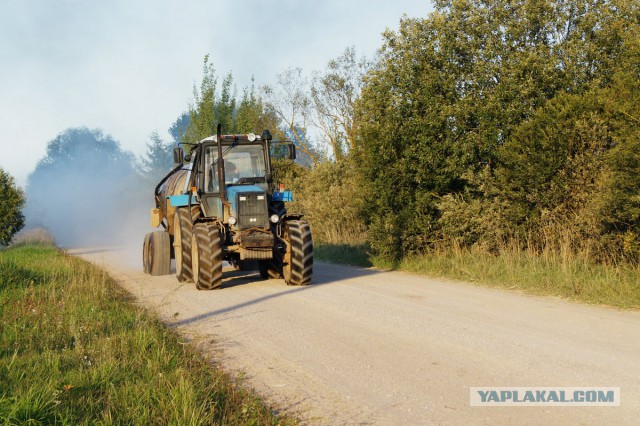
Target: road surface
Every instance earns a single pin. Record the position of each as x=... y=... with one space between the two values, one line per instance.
x=361 y=346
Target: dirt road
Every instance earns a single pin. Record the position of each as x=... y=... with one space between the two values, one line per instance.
x=361 y=346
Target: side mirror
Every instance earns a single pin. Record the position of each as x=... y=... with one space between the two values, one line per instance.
x=292 y=151
x=178 y=155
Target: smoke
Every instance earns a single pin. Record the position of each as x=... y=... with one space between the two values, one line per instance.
x=88 y=192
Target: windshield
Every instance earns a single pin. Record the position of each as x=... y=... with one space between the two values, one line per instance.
x=240 y=161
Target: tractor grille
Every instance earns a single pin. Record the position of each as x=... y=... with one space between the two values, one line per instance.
x=252 y=210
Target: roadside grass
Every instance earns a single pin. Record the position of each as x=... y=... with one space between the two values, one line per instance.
x=75 y=350
x=552 y=273
x=33 y=236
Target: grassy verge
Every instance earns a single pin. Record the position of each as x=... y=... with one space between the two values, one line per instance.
x=546 y=274
x=75 y=350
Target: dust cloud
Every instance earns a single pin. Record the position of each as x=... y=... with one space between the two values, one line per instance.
x=91 y=195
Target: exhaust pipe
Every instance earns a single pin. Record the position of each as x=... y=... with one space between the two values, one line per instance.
x=221 y=180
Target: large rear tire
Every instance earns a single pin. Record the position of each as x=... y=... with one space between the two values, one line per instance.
x=159 y=253
x=182 y=233
x=206 y=257
x=298 y=261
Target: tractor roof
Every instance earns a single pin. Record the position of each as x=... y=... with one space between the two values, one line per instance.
x=249 y=137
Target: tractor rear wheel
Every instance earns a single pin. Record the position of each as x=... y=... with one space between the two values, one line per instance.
x=182 y=231
x=145 y=254
x=206 y=256
x=298 y=260
x=159 y=249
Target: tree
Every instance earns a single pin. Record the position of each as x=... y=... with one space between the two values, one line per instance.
x=334 y=94
x=179 y=127
x=210 y=107
x=289 y=101
x=159 y=158
x=202 y=113
x=11 y=217
x=252 y=114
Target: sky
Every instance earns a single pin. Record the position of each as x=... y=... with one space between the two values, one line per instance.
x=128 y=67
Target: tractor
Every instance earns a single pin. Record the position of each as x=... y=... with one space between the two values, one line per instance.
x=220 y=203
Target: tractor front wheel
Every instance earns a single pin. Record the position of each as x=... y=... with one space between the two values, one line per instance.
x=182 y=233
x=297 y=266
x=206 y=256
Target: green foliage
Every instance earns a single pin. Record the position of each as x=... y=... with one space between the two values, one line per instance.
x=74 y=349
x=202 y=114
x=492 y=120
x=11 y=217
x=211 y=107
x=252 y=113
x=179 y=127
x=551 y=178
x=159 y=158
x=328 y=195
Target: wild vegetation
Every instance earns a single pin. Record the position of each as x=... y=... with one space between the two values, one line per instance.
x=11 y=217
x=74 y=349
x=506 y=124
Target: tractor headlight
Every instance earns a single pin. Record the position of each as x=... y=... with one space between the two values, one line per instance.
x=232 y=220
x=274 y=218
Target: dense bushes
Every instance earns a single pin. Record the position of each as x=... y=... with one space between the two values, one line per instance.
x=490 y=124
x=329 y=195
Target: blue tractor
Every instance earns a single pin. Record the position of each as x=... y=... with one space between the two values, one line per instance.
x=221 y=204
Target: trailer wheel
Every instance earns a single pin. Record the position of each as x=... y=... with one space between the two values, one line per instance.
x=145 y=254
x=159 y=253
x=297 y=266
x=182 y=230
x=206 y=256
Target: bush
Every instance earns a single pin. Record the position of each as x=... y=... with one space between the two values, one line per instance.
x=11 y=218
x=329 y=196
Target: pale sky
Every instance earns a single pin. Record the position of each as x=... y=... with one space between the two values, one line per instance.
x=128 y=66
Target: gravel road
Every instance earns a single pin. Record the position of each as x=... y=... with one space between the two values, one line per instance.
x=361 y=346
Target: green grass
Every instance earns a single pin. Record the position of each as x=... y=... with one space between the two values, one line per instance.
x=75 y=350
x=567 y=276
